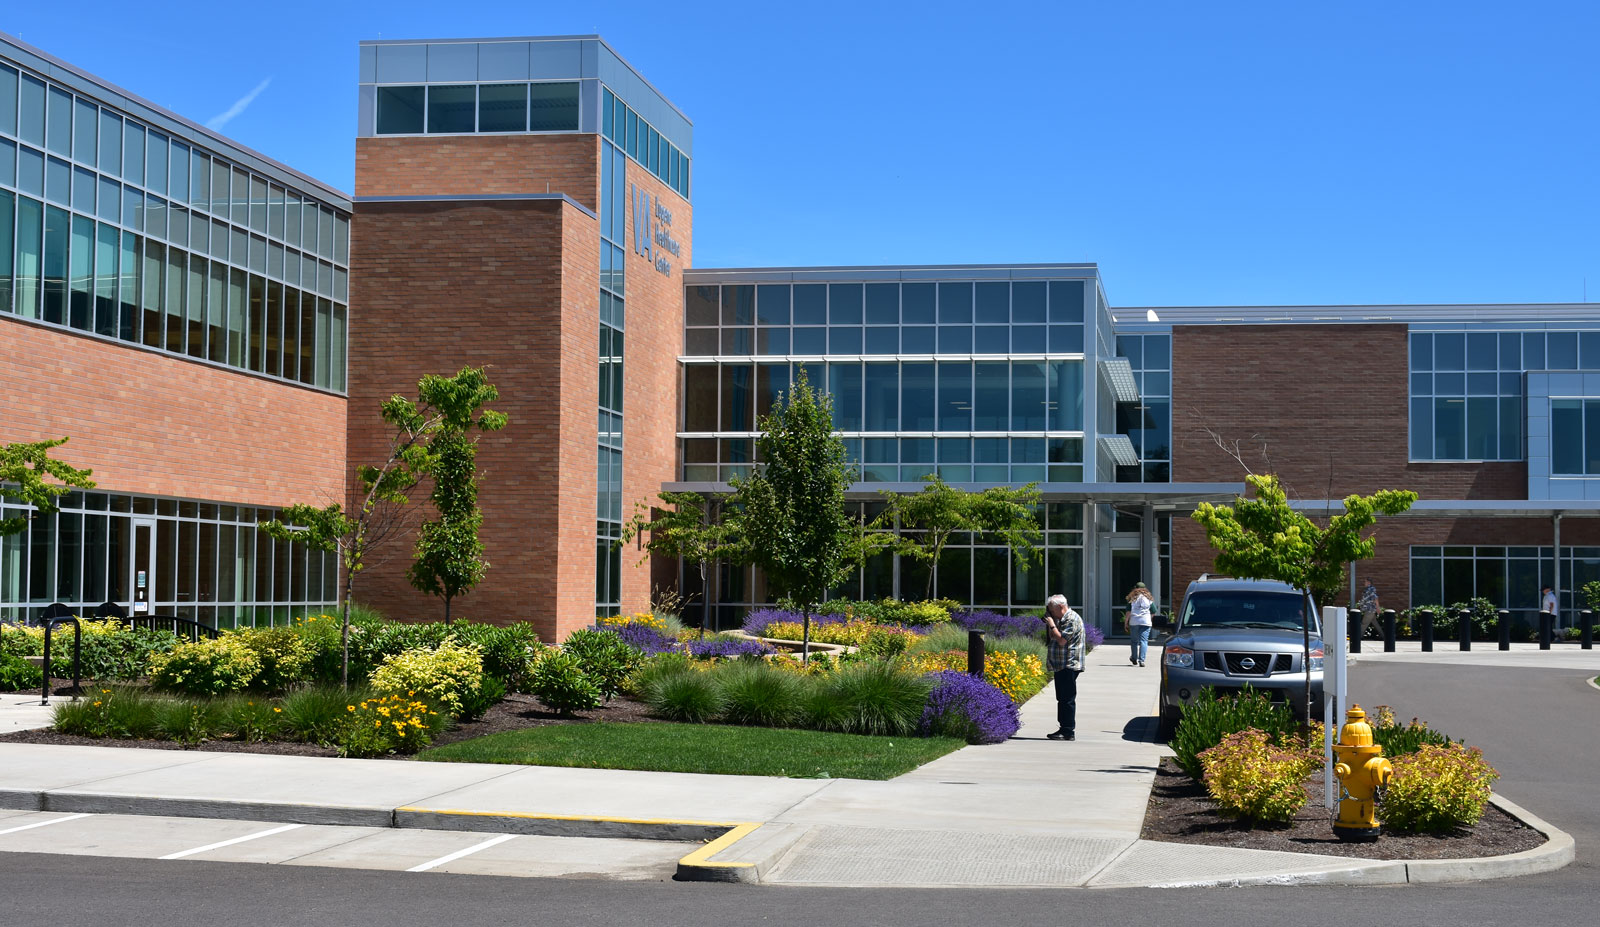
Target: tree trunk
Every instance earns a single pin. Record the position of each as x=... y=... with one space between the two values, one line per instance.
x=805 y=634
x=1305 y=629
x=447 y=609
x=709 y=603
x=344 y=633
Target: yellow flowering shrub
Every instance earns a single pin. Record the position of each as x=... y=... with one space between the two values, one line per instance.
x=205 y=667
x=1019 y=677
x=387 y=724
x=637 y=619
x=1437 y=789
x=1252 y=779
x=852 y=633
x=445 y=676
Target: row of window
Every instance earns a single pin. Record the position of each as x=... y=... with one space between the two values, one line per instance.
x=1512 y=352
x=643 y=143
x=1510 y=577
x=1148 y=422
x=69 y=270
x=883 y=340
x=895 y=396
x=196 y=559
x=455 y=109
x=66 y=137
x=1473 y=428
x=608 y=480
x=985 y=302
x=888 y=460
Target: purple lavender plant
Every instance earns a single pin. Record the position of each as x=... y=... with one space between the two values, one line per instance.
x=1092 y=637
x=967 y=707
x=645 y=639
x=729 y=649
x=998 y=625
x=759 y=619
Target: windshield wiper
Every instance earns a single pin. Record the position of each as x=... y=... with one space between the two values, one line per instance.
x=1265 y=625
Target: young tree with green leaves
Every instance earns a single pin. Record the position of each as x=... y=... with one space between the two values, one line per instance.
x=791 y=508
x=449 y=553
x=690 y=527
x=23 y=469
x=1265 y=538
x=380 y=514
x=940 y=511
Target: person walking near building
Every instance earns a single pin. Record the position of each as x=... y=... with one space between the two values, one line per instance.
x=1548 y=603
x=1064 y=637
x=1369 y=608
x=1139 y=600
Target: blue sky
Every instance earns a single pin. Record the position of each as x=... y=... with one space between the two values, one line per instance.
x=1223 y=153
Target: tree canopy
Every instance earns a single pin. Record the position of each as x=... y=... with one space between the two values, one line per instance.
x=23 y=469
x=940 y=511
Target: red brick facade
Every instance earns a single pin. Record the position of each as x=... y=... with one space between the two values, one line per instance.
x=1329 y=402
x=148 y=422
x=514 y=284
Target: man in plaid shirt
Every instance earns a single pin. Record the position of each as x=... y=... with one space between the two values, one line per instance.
x=1064 y=638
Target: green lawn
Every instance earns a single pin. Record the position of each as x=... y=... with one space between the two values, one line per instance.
x=701 y=748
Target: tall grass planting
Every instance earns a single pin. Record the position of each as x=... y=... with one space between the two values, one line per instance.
x=754 y=692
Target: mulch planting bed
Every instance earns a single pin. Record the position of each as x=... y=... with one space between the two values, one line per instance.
x=1180 y=811
x=514 y=713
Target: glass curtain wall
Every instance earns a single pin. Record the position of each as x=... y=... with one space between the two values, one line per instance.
x=608 y=474
x=1510 y=577
x=204 y=561
x=1148 y=422
x=109 y=226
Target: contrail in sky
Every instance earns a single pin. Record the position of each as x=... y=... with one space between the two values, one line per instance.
x=218 y=121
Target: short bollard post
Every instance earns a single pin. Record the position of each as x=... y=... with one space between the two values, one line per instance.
x=975 y=653
x=1503 y=620
x=1586 y=623
x=1353 y=629
x=1425 y=628
x=1388 y=630
x=1547 y=623
x=1464 y=628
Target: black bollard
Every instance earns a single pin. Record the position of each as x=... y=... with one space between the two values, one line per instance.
x=1464 y=628
x=1586 y=619
x=1547 y=623
x=1352 y=629
x=1425 y=628
x=1503 y=619
x=1388 y=630
x=975 y=653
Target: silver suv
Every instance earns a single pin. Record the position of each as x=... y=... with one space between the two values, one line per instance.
x=1237 y=631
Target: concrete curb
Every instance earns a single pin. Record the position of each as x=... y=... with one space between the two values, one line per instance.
x=1558 y=850
x=1370 y=872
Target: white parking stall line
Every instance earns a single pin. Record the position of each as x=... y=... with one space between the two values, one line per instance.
x=70 y=817
x=452 y=857
x=228 y=843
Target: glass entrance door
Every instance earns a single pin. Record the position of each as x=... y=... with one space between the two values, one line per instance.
x=1121 y=565
x=142 y=567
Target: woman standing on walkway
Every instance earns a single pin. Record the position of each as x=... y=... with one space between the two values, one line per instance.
x=1139 y=622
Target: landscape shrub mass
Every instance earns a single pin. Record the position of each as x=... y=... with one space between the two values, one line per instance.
x=205 y=667
x=1437 y=789
x=1253 y=779
x=964 y=706
x=443 y=675
x=1210 y=718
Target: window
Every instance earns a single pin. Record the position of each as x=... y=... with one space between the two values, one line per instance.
x=503 y=108
x=400 y=110
x=1466 y=390
x=553 y=107
x=452 y=108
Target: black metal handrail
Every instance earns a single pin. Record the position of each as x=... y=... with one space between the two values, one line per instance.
x=179 y=626
x=77 y=656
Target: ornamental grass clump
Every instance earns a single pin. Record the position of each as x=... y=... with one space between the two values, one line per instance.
x=1400 y=739
x=206 y=667
x=1437 y=789
x=964 y=706
x=871 y=698
x=316 y=714
x=754 y=692
x=1253 y=780
x=443 y=676
x=687 y=696
x=1210 y=718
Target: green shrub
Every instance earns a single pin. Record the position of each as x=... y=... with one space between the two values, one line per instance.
x=283 y=652
x=322 y=637
x=875 y=698
x=559 y=682
x=122 y=656
x=692 y=697
x=755 y=692
x=17 y=674
x=249 y=718
x=316 y=714
x=604 y=658
x=1251 y=779
x=445 y=676
x=1437 y=789
x=205 y=667
x=476 y=704
x=1485 y=619
x=1209 y=718
x=1400 y=739
x=508 y=650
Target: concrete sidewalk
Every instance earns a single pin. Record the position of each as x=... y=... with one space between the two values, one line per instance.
x=1028 y=812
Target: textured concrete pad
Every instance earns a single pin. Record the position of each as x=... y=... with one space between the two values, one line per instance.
x=865 y=856
x=1152 y=863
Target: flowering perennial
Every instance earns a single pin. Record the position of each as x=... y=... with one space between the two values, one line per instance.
x=967 y=707
x=1251 y=778
x=729 y=649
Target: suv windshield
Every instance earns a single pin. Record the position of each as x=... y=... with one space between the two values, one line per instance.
x=1244 y=609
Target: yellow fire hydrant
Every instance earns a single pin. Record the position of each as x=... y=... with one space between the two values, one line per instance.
x=1362 y=772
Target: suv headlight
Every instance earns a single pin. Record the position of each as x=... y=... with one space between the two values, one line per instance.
x=1317 y=654
x=1178 y=655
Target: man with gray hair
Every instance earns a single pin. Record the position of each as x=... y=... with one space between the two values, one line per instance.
x=1064 y=638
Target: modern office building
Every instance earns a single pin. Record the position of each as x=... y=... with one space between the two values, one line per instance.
x=178 y=305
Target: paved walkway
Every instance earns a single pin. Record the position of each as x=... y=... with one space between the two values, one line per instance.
x=1028 y=812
